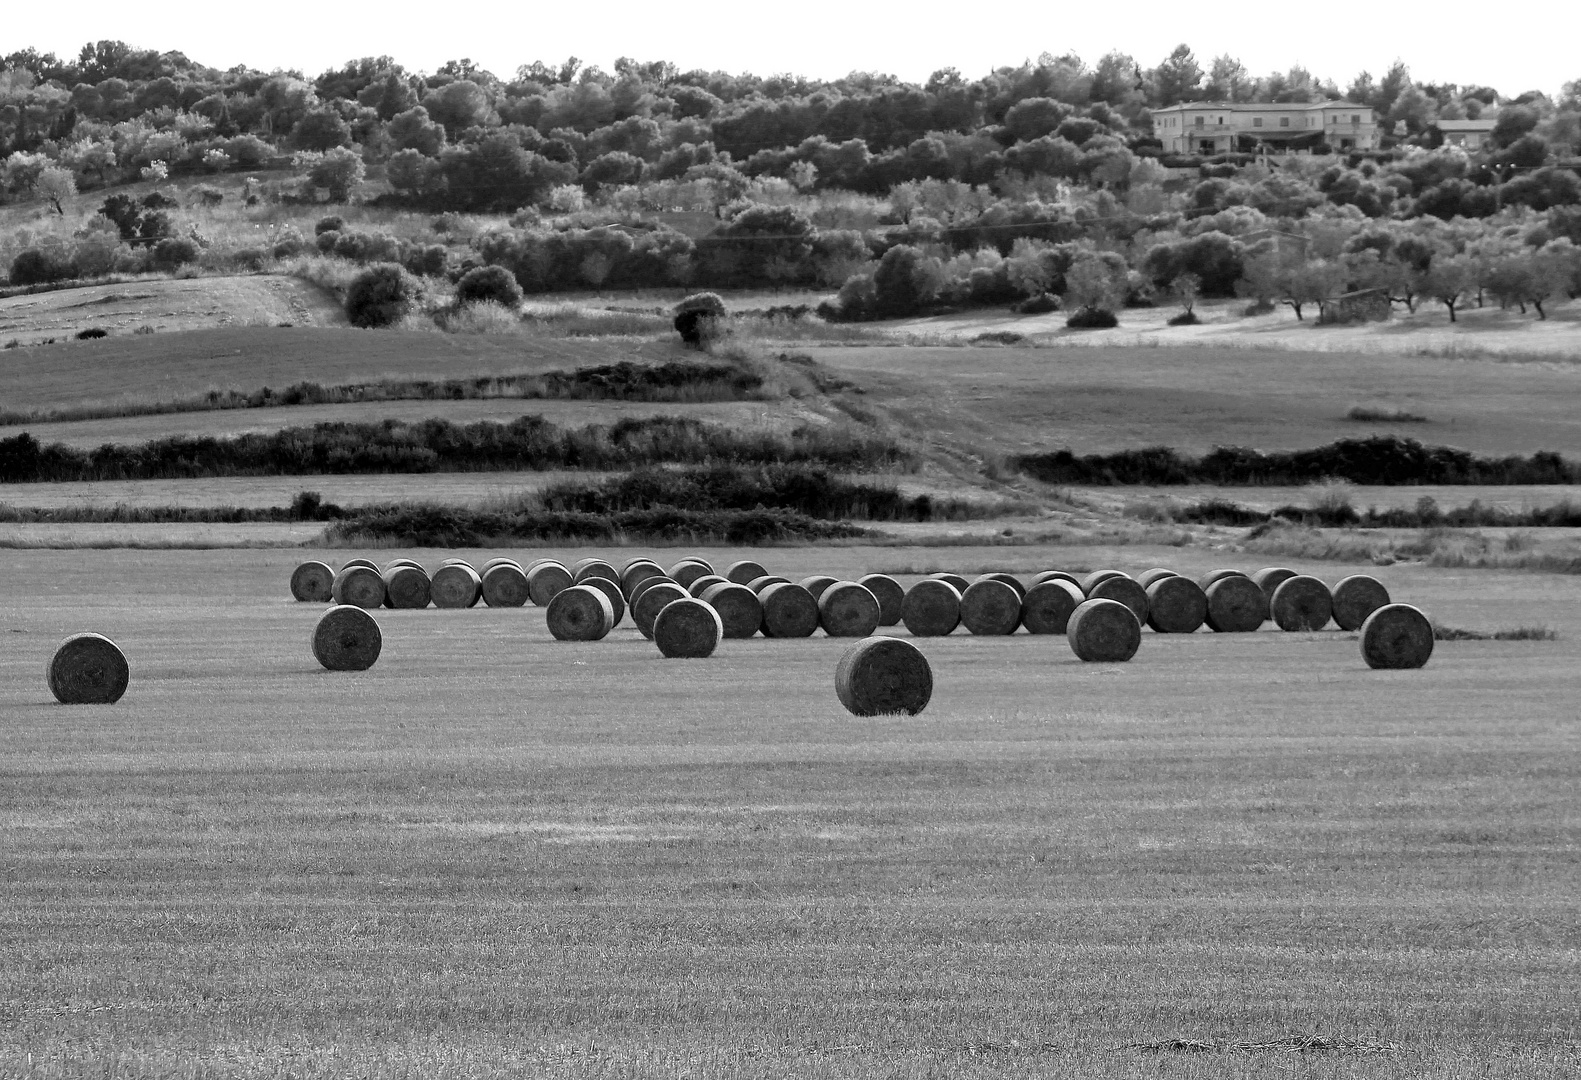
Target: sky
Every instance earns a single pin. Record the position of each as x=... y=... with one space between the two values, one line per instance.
x=1531 y=48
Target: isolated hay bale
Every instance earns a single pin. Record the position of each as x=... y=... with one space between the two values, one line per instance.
x=359 y=585
x=407 y=586
x=744 y=571
x=757 y=585
x=687 y=629
x=595 y=568
x=580 y=613
x=738 y=606
x=1357 y=597
x=932 y=608
x=617 y=599
x=817 y=584
x=1103 y=630
x=1301 y=603
x=546 y=581
x=1176 y=605
x=369 y=563
x=789 y=611
x=704 y=583
x=652 y=600
x=505 y=585
x=1396 y=636
x=1205 y=582
x=689 y=570
x=1235 y=604
x=990 y=607
x=956 y=581
x=846 y=609
x=347 y=638
x=1157 y=573
x=883 y=675
x=1126 y=590
x=89 y=669
x=1056 y=575
x=1098 y=577
x=890 y=595
x=636 y=573
x=312 y=581
x=647 y=583
x=1047 y=606
x=456 y=586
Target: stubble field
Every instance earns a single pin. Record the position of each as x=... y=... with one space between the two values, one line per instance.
x=494 y=854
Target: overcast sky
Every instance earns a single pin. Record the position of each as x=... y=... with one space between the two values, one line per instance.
x=1525 y=47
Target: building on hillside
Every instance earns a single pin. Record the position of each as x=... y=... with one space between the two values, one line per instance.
x=1470 y=134
x=1208 y=127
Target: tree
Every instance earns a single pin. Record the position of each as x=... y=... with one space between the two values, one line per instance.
x=1513 y=122
x=1186 y=288
x=1033 y=118
x=54 y=185
x=488 y=283
x=321 y=129
x=459 y=105
x=1228 y=80
x=339 y=171
x=1177 y=77
x=381 y=295
x=1096 y=281
x=1315 y=282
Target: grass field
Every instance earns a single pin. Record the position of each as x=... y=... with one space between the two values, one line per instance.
x=496 y=855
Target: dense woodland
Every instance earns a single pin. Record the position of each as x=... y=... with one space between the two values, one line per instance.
x=1041 y=185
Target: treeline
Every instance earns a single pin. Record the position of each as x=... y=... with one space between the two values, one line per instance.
x=1426 y=514
x=443 y=526
x=1380 y=460
x=526 y=444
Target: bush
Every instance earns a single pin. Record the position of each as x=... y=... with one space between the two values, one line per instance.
x=286 y=249
x=35 y=267
x=381 y=295
x=1091 y=318
x=332 y=223
x=174 y=252
x=697 y=317
x=92 y=333
x=1041 y=304
x=249 y=259
x=1185 y=318
x=325 y=241
x=493 y=283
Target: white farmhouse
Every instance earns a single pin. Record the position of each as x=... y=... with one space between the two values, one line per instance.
x=1209 y=127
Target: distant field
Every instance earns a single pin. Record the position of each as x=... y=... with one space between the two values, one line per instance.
x=497 y=855
x=176 y=366
x=1100 y=398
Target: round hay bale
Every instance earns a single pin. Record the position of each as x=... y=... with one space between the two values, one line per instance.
x=1098 y=577
x=369 y=563
x=505 y=585
x=647 y=604
x=889 y=594
x=1056 y=575
x=636 y=573
x=789 y=611
x=647 y=583
x=989 y=606
x=704 y=583
x=846 y=609
x=1176 y=605
x=492 y=563
x=1355 y=598
x=546 y=581
x=90 y=669
x=1147 y=577
x=397 y=563
x=347 y=638
x=744 y=571
x=738 y=606
x=361 y=586
x=592 y=568
x=1104 y=631
x=689 y=570
x=1270 y=578
x=1396 y=636
x=530 y=567
x=456 y=586
x=1047 y=606
x=1235 y=604
x=312 y=581
x=580 y=613
x=883 y=675
x=1301 y=603
x=637 y=560
x=1205 y=582
x=1008 y=579
x=407 y=586
x=817 y=584
x=932 y=608
x=456 y=562
x=617 y=599
x=687 y=629
x=757 y=585
x=956 y=581
x=1127 y=591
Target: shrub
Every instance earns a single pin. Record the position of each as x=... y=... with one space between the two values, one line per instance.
x=381 y=295
x=697 y=316
x=1041 y=304
x=494 y=283
x=1185 y=318
x=332 y=223
x=249 y=258
x=325 y=241
x=173 y=252
x=1091 y=318
x=92 y=333
x=35 y=267
x=285 y=249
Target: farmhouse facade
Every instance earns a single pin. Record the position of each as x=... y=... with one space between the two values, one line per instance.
x=1471 y=134
x=1208 y=127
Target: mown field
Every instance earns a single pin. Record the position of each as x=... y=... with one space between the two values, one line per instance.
x=497 y=855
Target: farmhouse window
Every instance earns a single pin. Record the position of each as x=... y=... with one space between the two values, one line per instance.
x=1257 y=121
x=1201 y=120
x=1284 y=121
x=1355 y=118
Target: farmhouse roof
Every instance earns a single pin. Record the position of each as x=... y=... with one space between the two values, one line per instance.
x=1484 y=124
